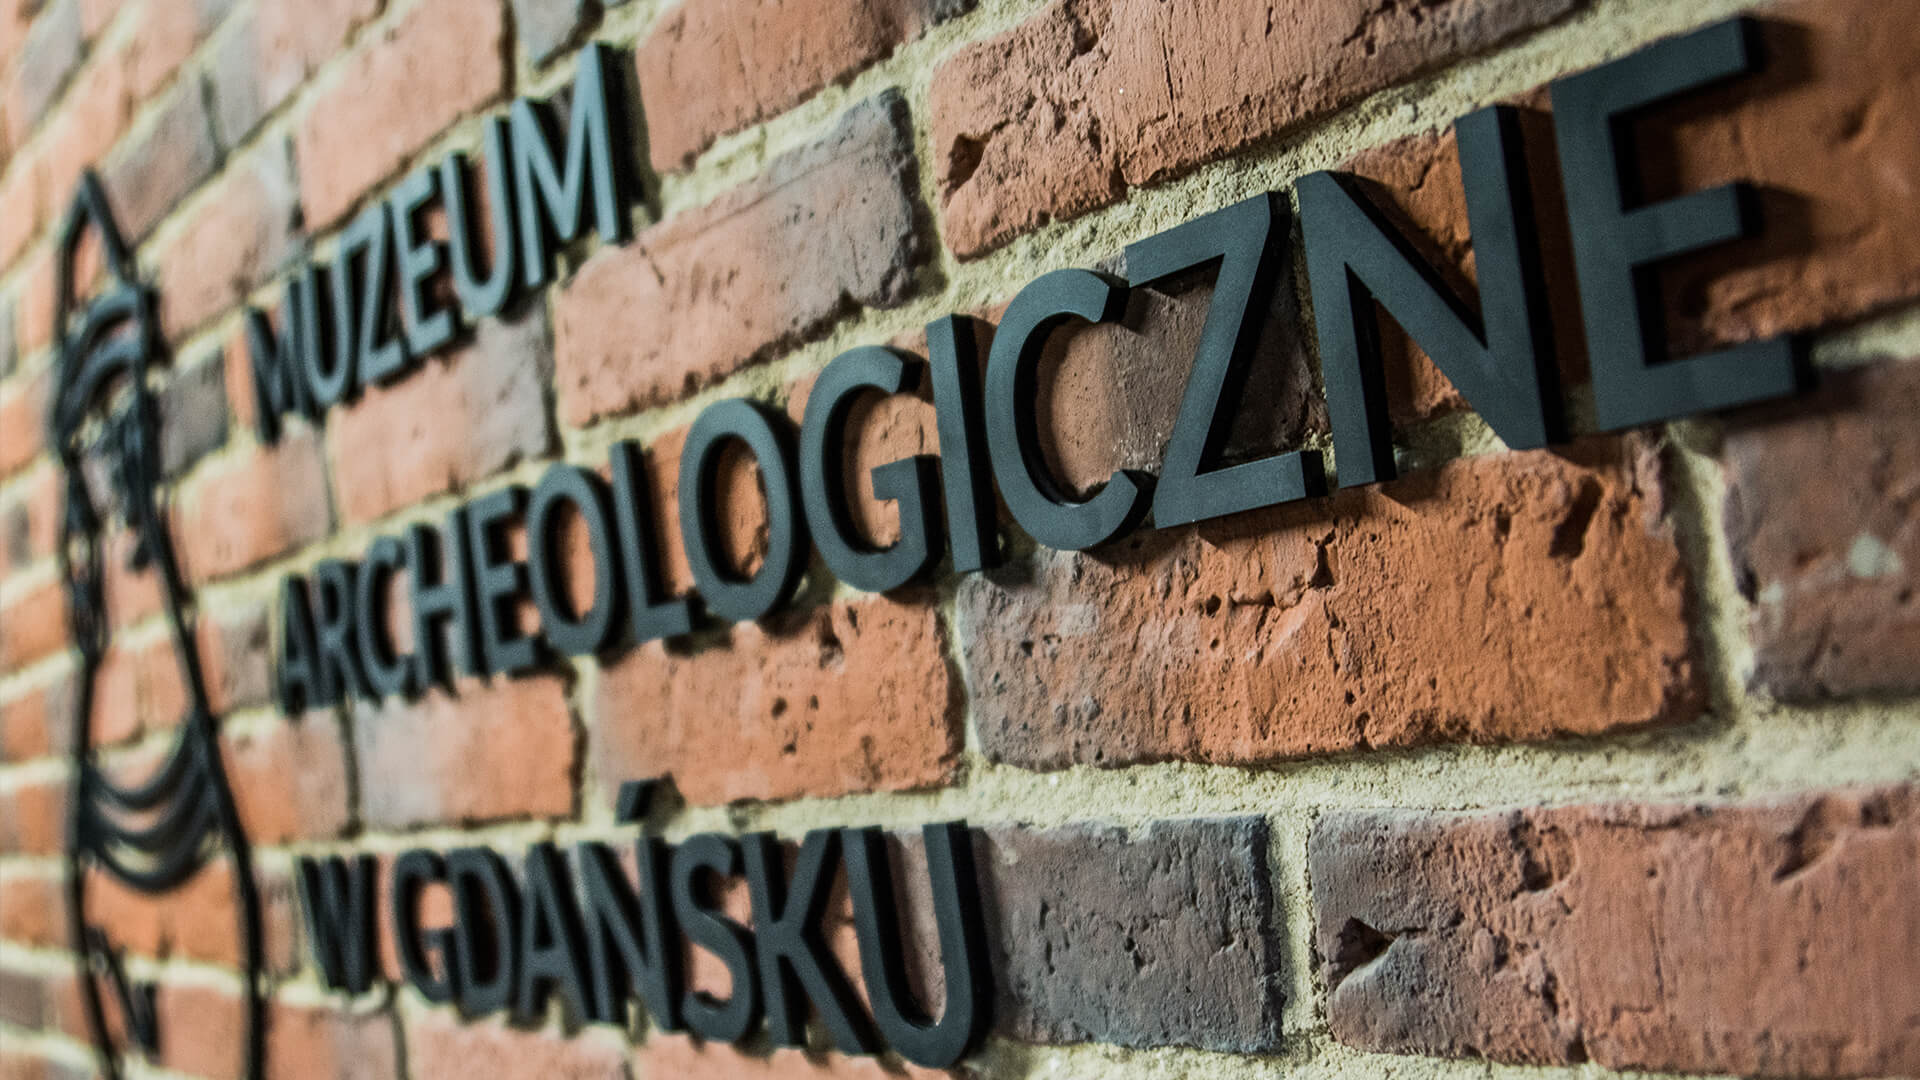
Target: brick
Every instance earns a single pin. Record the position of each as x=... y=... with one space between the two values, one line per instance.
x=546 y=27
x=139 y=689
x=1825 y=538
x=32 y=909
x=448 y=424
x=30 y=519
x=132 y=595
x=849 y=698
x=200 y=921
x=33 y=623
x=9 y=349
x=193 y=415
x=488 y=753
x=154 y=170
x=48 y=58
x=1065 y=112
x=90 y=119
x=1167 y=936
x=23 y=999
x=439 y=1047
x=241 y=511
x=827 y=228
x=709 y=69
x=1769 y=938
x=1512 y=596
x=166 y=32
x=316 y=1042
x=290 y=779
x=35 y=722
x=683 y=1057
x=393 y=95
x=32 y=817
x=273 y=50
x=208 y=1024
x=33 y=310
x=236 y=656
x=246 y=229
x=23 y=190
x=23 y=411
x=97 y=15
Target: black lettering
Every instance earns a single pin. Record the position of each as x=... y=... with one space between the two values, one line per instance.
x=300 y=684
x=412 y=872
x=651 y=613
x=1035 y=499
x=499 y=582
x=554 y=943
x=420 y=257
x=387 y=671
x=697 y=911
x=630 y=942
x=486 y=909
x=592 y=630
x=1618 y=238
x=489 y=295
x=794 y=962
x=963 y=958
x=768 y=436
x=337 y=659
x=1501 y=359
x=441 y=591
x=911 y=482
x=953 y=363
x=1248 y=241
x=337 y=894
x=280 y=385
x=552 y=203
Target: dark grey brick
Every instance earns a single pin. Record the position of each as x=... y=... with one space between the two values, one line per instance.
x=53 y=49
x=161 y=165
x=193 y=415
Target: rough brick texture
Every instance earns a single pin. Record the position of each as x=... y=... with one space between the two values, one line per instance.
x=199 y=922
x=1065 y=112
x=1826 y=538
x=446 y=425
x=394 y=94
x=1368 y=620
x=33 y=622
x=35 y=721
x=710 y=69
x=155 y=170
x=246 y=509
x=851 y=697
x=243 y=231
x=485 y=753
x=1773 y=938
x=276 y=47
x=826 y=227
x=437 y=1048
x=289 y=779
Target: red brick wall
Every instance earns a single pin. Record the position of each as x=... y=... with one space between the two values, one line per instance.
x=1604 y=753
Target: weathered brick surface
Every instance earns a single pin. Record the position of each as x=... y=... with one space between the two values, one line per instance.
x=246 y=229
x=852 y=697
x=199 y=922
x=289 y=779
x=394 y=93
x=216 y=1018
x=33 y=622
x=193 y=415
x=1517 y=596
x=23 y=191
x=684 y=1057
x=32 y=907
x=89 y=119
x=33 y=310
x=274 y=49
x=23 y=999
x=438 y=1048
x=35 y=721
x=710 y=69
x=32 y=820
x=485 y=753
x=827 y=227
x=243 y=510
x=235 y=655
x=1167 y=936
x=30 y=519
x=546 y=27
x=454 y=421
x=1769 y=938
x=1062 y=114
x=316 y=1042
x=165 y=33
x=50 y=54
x=153 y=171
x=23 y=407
x=1826 y=538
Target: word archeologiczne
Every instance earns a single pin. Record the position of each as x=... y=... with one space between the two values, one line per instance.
x=464 y=582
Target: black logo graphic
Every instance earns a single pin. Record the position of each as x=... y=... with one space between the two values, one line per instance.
x=153 y=832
